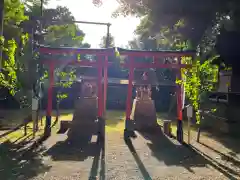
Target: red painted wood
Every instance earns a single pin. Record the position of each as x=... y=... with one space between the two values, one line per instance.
x=73 y=62
x=154 y=60
x=125 y=65
x=50 y=89
x=55 y=51
x=179 y=96
x=100 y=104
x=158 y=65
x=156 y=54
x=130 y=87
x=179 y=102
x=105 y=83
x=102 y=97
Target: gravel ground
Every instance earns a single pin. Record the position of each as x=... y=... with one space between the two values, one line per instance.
x=155 y=157
x=150 y=156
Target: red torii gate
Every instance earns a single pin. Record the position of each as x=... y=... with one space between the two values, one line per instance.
x=155 y=64
x=102 y=65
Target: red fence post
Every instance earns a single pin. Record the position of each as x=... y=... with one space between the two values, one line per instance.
x=47 y=131
x=129 y=95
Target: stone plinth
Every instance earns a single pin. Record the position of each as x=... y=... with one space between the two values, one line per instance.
x=84 y=121
x=167 y=127
x=144 y=113
x=86 y=107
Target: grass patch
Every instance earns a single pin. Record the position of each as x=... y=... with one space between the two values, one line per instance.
x=115 y=121
x=12 y=118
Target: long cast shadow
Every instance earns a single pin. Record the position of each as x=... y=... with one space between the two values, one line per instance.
x=74 y=149
x=180 y=155
x=140 y=164
x=224 y=156
x=221 y=168
x=102 y=164
x=78 y=146
x=95 y=165
x=18 y=161
x=170 y=153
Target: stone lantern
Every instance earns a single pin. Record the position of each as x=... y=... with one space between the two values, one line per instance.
x=143 y=110
x=86 y=106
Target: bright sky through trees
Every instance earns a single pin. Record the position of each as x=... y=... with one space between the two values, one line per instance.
x=83 y=10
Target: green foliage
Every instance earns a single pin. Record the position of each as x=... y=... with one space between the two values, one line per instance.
x=8 y=78
x=65 y=80
x=197 y=16
x=61 y=96
x=60 y=34
x=202 y=77
x=13 y=15
x=13 y=12
x=103 y=42
x=199 y=79
x=63 y=35
x=44 y=76
x=20 y=66
x=60 y=30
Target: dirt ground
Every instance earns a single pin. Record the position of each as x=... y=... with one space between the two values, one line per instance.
x=154 y=156
x=149 y=156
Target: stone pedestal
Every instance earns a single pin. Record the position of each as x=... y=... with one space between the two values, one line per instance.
x=167 y=127
x=144 y=113
x=84 y=122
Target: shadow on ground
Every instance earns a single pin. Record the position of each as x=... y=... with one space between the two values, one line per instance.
x=75 y=149
x=79 y=150
x=226 y=140
x=231 y=156
x=172 y=154
x=20 y=163
x=100 y=155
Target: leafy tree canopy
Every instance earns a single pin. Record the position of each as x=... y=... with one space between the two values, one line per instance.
x=181 y=24
x=19 y=71
x=192 y=18
x=103 y=42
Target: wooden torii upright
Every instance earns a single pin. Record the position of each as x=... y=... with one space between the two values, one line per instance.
x=132 y=65
x=102 y=64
